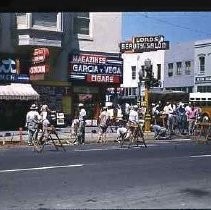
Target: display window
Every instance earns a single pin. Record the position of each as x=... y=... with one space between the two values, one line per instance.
x=91 y=104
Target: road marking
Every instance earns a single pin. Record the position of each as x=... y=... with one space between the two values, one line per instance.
x=40 y=168
x=113 y=148
x=200 y=156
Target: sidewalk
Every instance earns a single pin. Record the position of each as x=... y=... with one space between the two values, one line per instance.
x=91 y=136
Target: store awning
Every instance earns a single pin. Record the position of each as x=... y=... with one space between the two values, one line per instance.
x=18 y=91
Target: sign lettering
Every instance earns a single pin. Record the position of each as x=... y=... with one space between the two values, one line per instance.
x=8 y=66
x=144 y=44
x=40 y=55
x=96 y=68
x=40 y=63
x=91 y=59
x=102 y=78
x=42 y=69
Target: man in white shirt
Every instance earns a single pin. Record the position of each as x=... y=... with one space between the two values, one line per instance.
x=82 y=123
x=103 y=124
x=133 y=120
x=169 y=110
x=32 y=123
x=133 y=115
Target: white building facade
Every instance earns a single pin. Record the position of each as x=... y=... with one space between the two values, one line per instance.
x=202 y=59
x=133 y=64
x=179 y=67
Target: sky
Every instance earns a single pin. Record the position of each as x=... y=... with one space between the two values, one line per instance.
x=177 y=27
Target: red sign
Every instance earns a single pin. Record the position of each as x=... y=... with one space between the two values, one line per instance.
x=41 y=69
x=40 y=64
x=40 y=55
x=101 y=78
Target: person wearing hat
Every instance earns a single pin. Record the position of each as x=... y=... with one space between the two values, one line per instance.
x=103 y=124
x=82 y=123
x=32 y=123
x=44 y=110
x=133 y=120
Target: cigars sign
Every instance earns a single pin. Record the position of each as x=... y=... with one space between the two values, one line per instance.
x=40 y=64
x=95 y=68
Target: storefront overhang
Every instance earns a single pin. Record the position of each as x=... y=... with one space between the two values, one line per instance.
x=18 y=91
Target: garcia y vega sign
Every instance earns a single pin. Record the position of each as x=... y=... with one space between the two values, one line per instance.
x=95 y=68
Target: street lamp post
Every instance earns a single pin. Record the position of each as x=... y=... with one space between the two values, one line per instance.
x=147 y=119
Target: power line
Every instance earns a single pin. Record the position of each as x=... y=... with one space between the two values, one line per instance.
x=171 y=24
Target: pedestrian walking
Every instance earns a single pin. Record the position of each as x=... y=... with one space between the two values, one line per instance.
x=32 y=123
x=192 y=117
x=103 y=125
x=82 y=124
x=44 y=110
x=182 y=118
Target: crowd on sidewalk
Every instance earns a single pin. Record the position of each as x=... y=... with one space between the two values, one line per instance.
x=170 y=116
x=177 y=116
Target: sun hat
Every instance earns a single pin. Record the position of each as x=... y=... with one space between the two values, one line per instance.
x=33 y=107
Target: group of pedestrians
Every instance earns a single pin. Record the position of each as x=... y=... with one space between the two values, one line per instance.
x=78 y=125
x=126 y=126
x=37 y=119
x=176 y=116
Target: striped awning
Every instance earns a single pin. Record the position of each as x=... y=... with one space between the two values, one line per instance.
x=18 y=91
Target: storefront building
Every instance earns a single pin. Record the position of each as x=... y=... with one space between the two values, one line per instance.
x=61 y=35
x=202 y=61
x=16 y=94
x=91 y=74
x=64 y=36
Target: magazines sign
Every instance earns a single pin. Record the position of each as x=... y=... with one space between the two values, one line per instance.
x=144 y=44
x=95 y=68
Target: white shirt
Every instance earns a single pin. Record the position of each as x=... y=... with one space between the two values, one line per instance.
x=82 y=114
x=168 y=109
x=104 y=116
x=44 y=112
x=133 y=116
x=32 y=117
x=44 y=108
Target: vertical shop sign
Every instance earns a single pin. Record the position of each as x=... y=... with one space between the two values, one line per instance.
x=40 y=64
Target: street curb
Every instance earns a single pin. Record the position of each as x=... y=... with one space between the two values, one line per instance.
x=67 y=139
x=64 y=141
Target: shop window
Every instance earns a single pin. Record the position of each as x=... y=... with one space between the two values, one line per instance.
x=130 y=91
x=134 y=91
x=44 y=20
x=179 y=68
x=209 y=89
x=202 y=89
x=126 y=91
x=82 y=23
x=133 y=68
x=21 y=20
x=170 y=69
x=158 y=71
x=187 y=67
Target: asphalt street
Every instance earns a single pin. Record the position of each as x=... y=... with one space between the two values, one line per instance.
x=96 y=176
